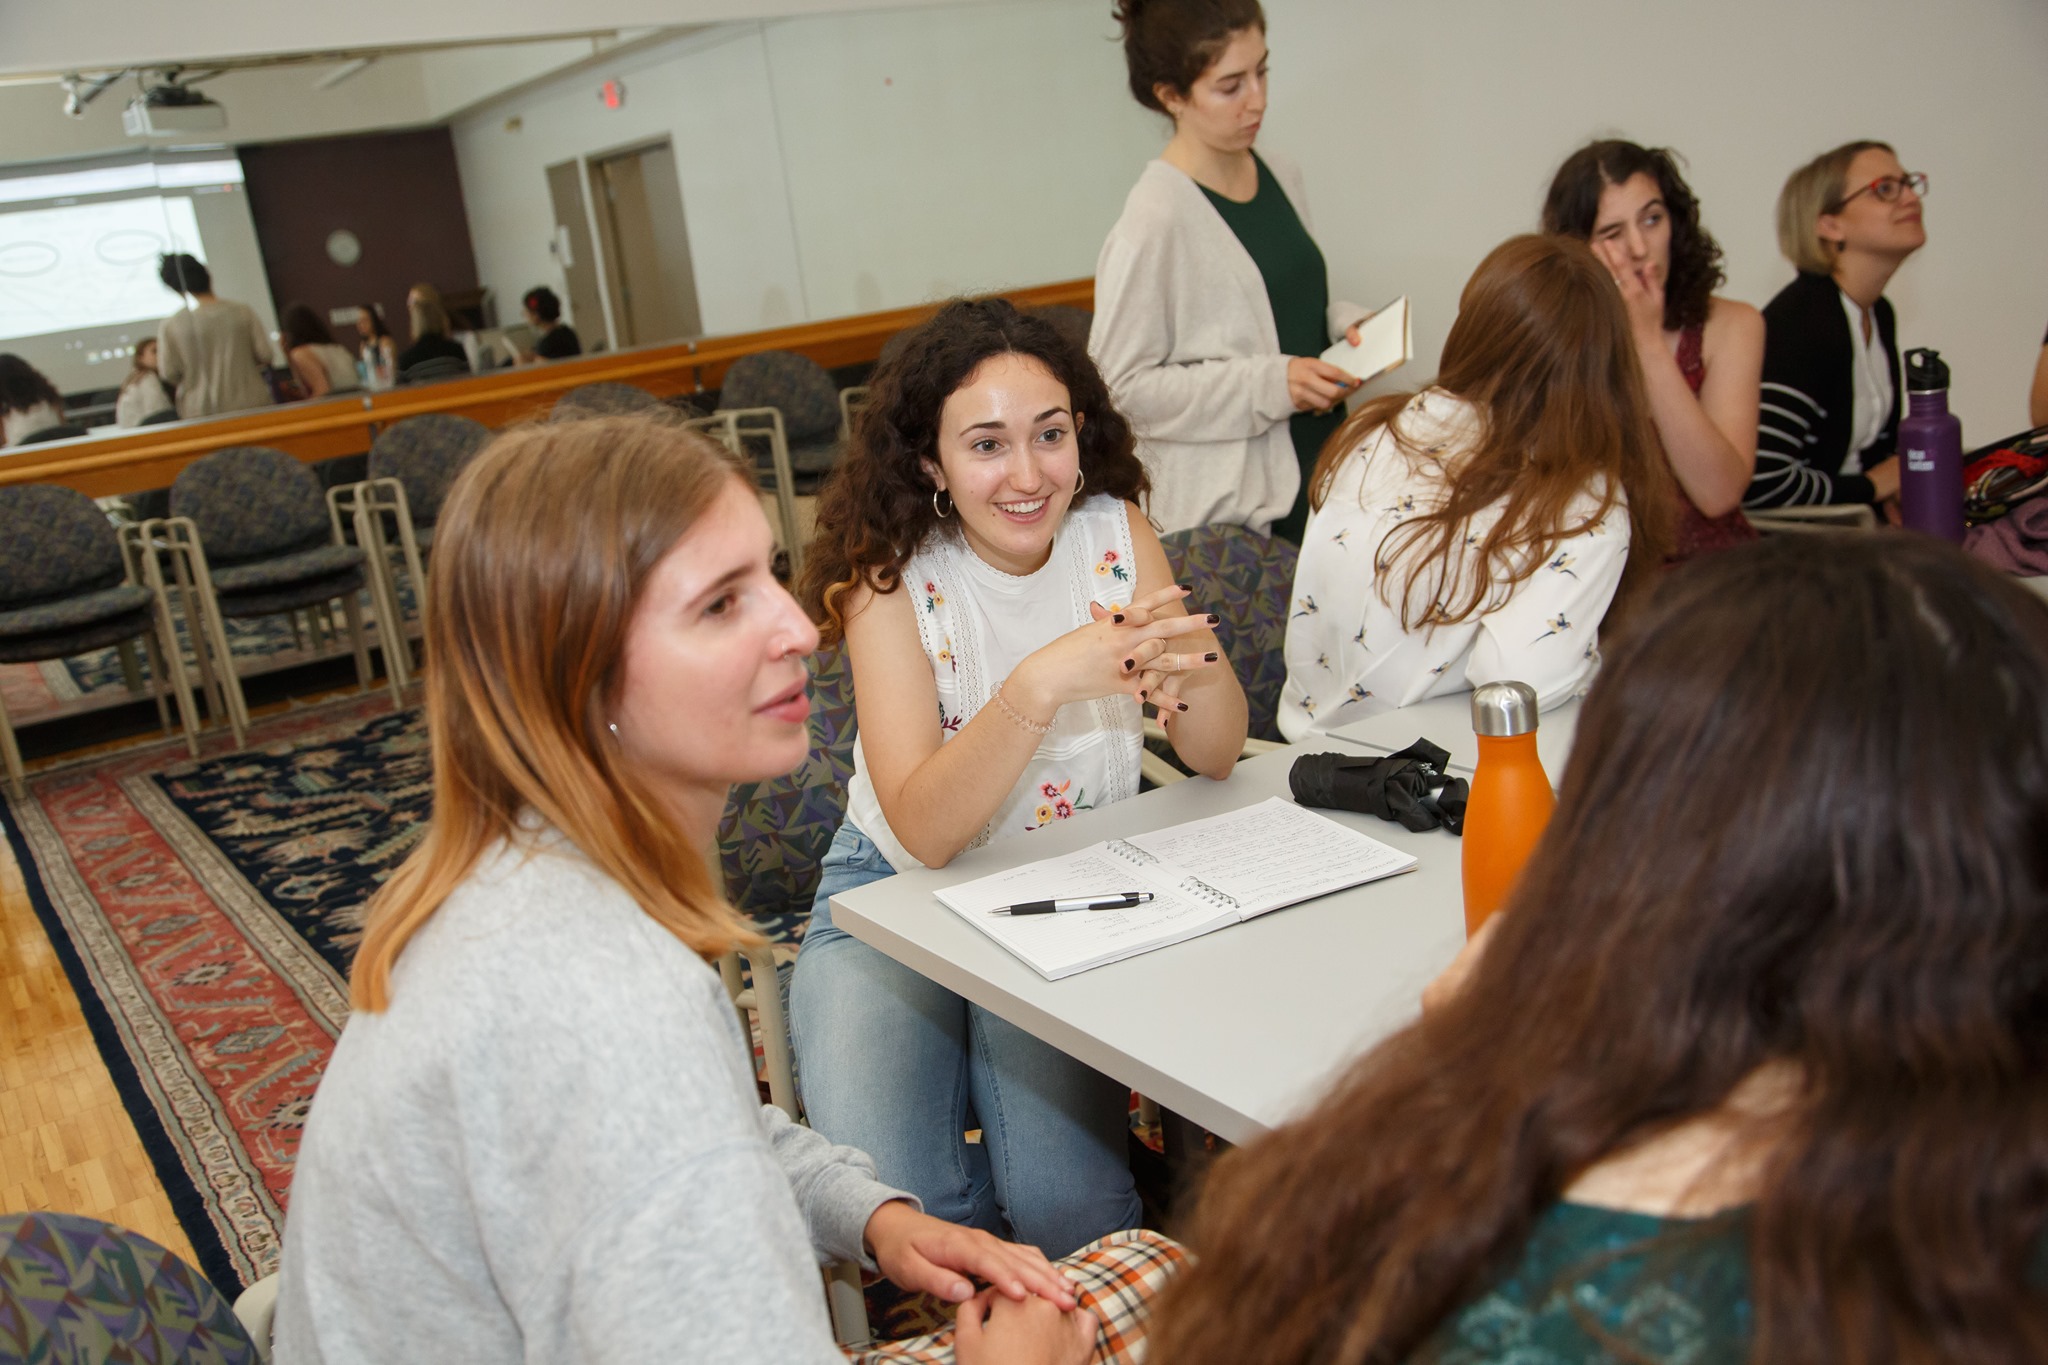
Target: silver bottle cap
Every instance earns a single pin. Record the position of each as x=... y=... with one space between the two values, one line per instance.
x=1503 y=708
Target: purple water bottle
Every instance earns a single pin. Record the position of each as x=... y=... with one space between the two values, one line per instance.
x=1930 y=451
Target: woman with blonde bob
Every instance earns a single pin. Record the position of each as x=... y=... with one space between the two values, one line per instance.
x=1828 y=431
x=1755 y=1065
x=539 y=1136
x=1481 y=529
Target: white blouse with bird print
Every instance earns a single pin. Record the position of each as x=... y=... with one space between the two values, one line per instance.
x=1348 y=656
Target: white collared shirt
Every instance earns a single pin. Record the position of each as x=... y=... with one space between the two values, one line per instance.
x=1870 y=377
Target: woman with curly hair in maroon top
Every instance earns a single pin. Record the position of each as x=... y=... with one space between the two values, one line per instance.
x=1702 y=354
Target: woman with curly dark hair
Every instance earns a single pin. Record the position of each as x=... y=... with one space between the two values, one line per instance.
x=1702 y=354
x=1006 y=609
x=1755 y=1066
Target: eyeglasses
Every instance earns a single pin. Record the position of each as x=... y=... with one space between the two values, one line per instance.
x=1885 y=189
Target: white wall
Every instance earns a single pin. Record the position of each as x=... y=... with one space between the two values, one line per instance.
x=841 y=164
x=1428 y=132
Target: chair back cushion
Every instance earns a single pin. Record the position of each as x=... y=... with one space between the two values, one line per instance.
x=1072 y=323
x=1245 y=578
x=773 y=836
x=425 y=454
x=76 y=1289
x=250 y=501
x=604 y=399
x=54 y=542
x=794 y=383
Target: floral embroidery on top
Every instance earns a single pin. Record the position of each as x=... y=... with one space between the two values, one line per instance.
x=1056 y=805
x=951 y=724
x=946 y=655
x=1112 y=566
x=933 y=598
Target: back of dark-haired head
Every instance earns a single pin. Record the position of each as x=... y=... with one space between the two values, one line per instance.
x=1172 y=42
x=22 y=386
x=878 y=505
x=543 y=304
x=301 y=326
x=1573 y=205
x=1804 y=823
x=182 y=273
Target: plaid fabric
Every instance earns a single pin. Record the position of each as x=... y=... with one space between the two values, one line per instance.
x=424 y=454
x=1245 y=578
x=1116 y=1279
x=250 y=502
x=54 y=542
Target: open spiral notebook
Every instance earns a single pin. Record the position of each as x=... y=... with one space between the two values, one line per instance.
x=1204 y=876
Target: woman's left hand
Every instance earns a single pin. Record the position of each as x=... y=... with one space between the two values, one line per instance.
x=919 y=1252
x=1160 y=687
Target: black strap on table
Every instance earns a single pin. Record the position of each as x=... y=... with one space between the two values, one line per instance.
x=1413 y=787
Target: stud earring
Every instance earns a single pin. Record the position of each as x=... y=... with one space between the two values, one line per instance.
x=613 y=726
x=947 y=510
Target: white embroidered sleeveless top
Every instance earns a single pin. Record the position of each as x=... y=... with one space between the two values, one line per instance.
x=978 y=623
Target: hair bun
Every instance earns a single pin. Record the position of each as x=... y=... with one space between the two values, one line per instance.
x=1126 y=12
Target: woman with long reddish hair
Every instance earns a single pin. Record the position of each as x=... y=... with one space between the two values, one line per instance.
x=1754 y=1067
x=1481 y=529
x=538 y=1137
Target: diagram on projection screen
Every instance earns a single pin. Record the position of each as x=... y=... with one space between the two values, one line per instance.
x=90 y=265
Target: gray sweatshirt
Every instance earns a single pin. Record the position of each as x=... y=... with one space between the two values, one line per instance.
x=550 y=1148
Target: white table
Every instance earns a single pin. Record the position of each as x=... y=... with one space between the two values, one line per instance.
x=1447 y=722
x=1236 y=1030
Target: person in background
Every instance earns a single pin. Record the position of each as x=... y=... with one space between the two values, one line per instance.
x=142 y=392
x=318 y=364
x=1832 y=395
x=1702 y=355
x=2037 y=397
x=430 y=340
x=214 y=353
x=557 y=340
x=29 y=402
x=1752 y=1068
x=375 y=347
x=1212 y=303
x=538 y=1137
x=1480 y=530
x=1006 y=610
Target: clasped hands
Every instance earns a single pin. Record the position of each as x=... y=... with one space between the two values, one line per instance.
x=1028 y=1307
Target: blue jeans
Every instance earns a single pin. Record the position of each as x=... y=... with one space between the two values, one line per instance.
x=900 y=1067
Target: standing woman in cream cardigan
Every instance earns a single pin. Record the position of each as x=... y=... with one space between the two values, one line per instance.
x=1212 y=302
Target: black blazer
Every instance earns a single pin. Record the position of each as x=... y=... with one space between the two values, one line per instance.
x=1809 y=399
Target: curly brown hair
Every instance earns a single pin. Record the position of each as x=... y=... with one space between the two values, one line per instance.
x=878 y=506
x=1573 y=204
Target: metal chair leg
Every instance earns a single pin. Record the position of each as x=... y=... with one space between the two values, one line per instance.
x=131 y=669
x=353 y=611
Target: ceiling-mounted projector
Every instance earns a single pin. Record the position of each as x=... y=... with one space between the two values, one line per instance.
x=169 y=110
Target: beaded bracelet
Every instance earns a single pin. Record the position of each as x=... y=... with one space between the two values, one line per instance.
x=1014 y=714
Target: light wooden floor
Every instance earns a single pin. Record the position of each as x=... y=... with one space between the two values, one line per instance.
x=66 y=1143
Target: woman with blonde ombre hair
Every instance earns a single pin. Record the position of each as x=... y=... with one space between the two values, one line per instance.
x=539 y=1135
x=1481 y=529
x=428 y=317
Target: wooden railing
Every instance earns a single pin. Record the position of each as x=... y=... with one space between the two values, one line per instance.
x=150 y=457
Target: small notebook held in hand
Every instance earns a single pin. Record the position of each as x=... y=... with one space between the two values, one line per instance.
x=1203 y=875
x=1386 y=341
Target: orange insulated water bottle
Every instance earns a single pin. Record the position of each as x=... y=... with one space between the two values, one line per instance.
x=1511 y=798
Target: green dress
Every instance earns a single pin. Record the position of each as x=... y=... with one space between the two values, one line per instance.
x=1599 y=1286
x=1298 y=288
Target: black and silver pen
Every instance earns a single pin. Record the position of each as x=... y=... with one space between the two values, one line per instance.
x=1122 y=900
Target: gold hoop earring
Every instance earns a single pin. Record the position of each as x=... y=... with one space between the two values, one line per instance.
x=1080 y=480
x=942 y=512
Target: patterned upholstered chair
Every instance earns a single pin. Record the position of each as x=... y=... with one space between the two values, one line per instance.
x=603 y=399
x=772 y=842
x=412 y=464
x=434 y=370
x=69 y=584
x=249 y=535
x=1245 y=578
x=76 y=1291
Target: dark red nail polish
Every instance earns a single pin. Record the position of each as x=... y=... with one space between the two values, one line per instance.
x=1118 y=618
x=1182 y=705
x=1214 y=619
x=1210 y=657
x=1130 y=664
